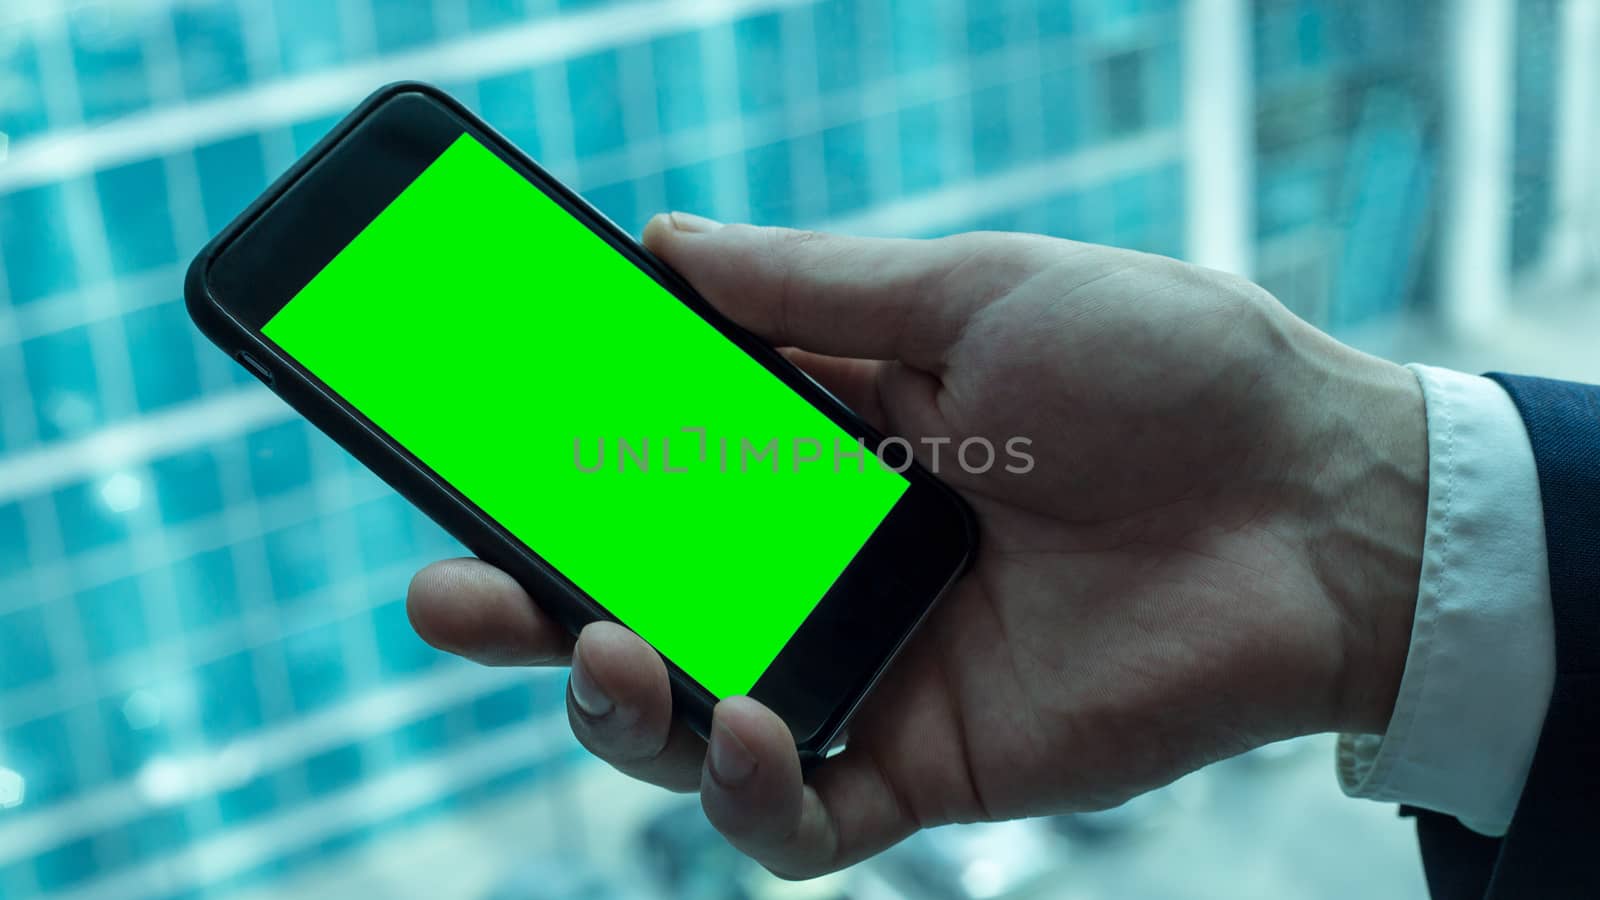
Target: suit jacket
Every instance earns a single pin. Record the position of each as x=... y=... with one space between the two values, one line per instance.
x=1552 y=849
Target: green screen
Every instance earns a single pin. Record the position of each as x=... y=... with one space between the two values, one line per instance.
x=594 y=416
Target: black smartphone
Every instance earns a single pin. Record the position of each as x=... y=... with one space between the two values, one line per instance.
x=574 y=413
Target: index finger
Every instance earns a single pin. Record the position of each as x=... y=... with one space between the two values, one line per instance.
x=870 y=298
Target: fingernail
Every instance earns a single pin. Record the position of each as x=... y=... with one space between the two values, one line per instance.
x=586 y=692
x=692 y=223
x=728 y=758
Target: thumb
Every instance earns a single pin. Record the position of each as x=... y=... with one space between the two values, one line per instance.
x=871 y=298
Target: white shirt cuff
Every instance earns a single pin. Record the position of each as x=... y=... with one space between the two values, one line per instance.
x=1481 y=666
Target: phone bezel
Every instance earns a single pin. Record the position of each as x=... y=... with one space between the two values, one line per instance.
x=272 y=249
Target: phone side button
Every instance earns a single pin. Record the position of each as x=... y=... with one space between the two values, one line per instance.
x=256 y=368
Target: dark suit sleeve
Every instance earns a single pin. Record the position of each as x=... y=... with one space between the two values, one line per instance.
x=1552 y=849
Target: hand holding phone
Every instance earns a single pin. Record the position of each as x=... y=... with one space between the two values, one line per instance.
x=1171 y=568
x=1180 y=575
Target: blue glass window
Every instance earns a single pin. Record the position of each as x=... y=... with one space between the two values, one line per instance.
x=594 y=84
x=1291 y=192
x=921 y=151
x=680 y=82
x=434 y=542
x=306 y=134
x=250 y=800
x=986 y=26
x=159 y=833
x=133 y=203
x=1005 y=220
x=188 y=486
x=1102 y=14
x=1097 y=205
x=227 y=697
x=1310 y=36
x=383 y=528
x=61 y=377
x=24 y=648
x=129 y=744
x=1131 y=211
x=400 y=651
x=1123 y=94
x=1162 y=103
x=16 y=878
x=1058 y=95
x=232 y=173
x=42 y=752
x=838 y=45
x=690 y=188
x=309 y=33
x=85 y=520
x=297 y=560
x=762 y=70
x=400 y=24
x=1063 y=217
x=507 y=102
x=486 y=14
x=503 y=707
x=112 y=617
x=13 y=540
x=845 y=150
x=211 y=50
x=620 y=202
x=206 y=587
x=65 y=865
x=919 y=37
x=316 y=667
x=22 y=112
x=422 y=738
x=771 y=184
x=992 y=142
x=1273 y=45
x=165 y=368
x=1055 y=18
x=280 y=459
x=35 y=242
x=108 y=56
x=334 y=769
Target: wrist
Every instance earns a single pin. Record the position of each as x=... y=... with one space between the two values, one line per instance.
x=1365 y=473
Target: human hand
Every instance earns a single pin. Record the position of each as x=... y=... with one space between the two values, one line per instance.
x=1218 y=544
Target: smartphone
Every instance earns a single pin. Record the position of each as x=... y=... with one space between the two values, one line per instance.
x=573 y=412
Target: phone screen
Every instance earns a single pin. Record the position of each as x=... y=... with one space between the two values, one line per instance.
x=598 y=419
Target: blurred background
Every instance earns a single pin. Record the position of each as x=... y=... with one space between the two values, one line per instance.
x=208 y=686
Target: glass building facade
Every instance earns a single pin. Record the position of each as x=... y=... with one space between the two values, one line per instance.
x=208 y=683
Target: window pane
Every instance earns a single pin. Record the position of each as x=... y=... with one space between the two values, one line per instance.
x=506 y=101
x=25 y=656
x=112 y=617
x=211 y=50
x=161 y=343
x=109 y=56
x=134 y=204
x=35 y=245
x=680 y=84
x=61 y=377
x=232 y=173
x=595 y=87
